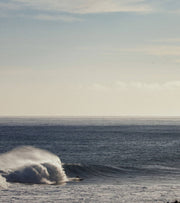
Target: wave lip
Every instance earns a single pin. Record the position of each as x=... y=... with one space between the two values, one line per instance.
x=32 y=165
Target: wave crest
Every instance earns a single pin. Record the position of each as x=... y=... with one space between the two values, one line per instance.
x=32 y=165
x=37 y=174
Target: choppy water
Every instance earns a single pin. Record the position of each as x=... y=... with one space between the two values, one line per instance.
x=118 y=159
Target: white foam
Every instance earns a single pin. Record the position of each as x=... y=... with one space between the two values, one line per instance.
x=3 y=183
x=32 y=165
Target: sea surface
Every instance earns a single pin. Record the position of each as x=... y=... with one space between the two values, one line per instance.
x=89 y=159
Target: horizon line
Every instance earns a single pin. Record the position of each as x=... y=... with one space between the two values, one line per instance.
x=90 y=116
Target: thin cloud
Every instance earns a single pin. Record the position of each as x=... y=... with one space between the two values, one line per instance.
x=176 y=11
x=136 y=85
x=156 y=50
x=177 y=61
x=92 y=6
x=163 y=50
x=64 y=18
x=100 y=87
x=9 y=6
x=149 y=86
x=172 y=84
x=167 y=40
x=88 y=6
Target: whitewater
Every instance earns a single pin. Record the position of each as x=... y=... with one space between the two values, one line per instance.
x=90 y=160
x=31 y=165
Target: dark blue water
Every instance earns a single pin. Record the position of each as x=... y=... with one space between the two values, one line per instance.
x=92 y=146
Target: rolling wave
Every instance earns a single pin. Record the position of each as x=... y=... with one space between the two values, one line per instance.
x=35 y=166
x=31 y=165
x=44 y=173
x=87 y=171
x=105 y=172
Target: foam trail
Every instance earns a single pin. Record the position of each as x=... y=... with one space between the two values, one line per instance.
x=32 y=165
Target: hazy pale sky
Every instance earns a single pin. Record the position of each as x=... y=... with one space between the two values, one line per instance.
x=89 y=57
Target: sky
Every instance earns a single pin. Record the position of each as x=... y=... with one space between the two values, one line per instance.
x=89 y=58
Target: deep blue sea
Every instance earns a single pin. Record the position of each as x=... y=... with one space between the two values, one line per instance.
x=100 y=151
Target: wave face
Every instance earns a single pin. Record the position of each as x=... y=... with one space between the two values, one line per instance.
x=31 y=165
x=103 y=172
x=97 y=171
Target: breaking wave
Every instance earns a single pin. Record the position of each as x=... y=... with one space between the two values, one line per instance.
x=87 y=171
x=31 y=165
x=36 y=166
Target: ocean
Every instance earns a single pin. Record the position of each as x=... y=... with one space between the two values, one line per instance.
x=89 y=159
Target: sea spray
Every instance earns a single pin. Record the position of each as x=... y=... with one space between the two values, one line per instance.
x=27 y=164
x=3 y=183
